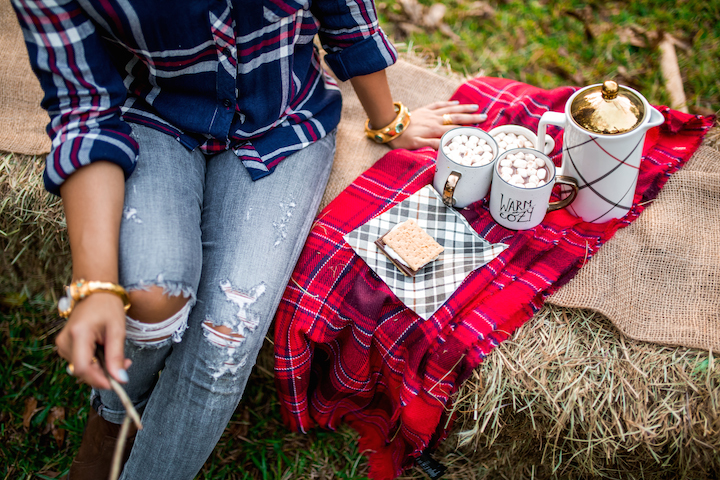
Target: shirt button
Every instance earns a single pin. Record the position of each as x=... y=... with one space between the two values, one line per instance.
x=227 y=103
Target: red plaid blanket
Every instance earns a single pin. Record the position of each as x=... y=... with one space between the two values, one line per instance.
x=346 y=349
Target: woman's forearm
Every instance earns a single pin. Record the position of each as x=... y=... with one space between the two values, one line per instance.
x=374 y=94
x=93 y=201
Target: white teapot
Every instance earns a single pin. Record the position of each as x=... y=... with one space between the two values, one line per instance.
x=605 y=126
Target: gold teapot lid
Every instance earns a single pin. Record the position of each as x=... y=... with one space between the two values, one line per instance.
x=608 y=109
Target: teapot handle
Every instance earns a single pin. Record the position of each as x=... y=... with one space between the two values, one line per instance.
x=552 y=118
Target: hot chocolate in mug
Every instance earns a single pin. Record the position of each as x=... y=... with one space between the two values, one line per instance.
x=522 y=184
x=463 y=172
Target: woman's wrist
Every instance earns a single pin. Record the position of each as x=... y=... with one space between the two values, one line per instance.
x=392 y=130
x=81 y=289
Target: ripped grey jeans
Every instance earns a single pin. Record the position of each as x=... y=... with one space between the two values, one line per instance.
x=200 y=227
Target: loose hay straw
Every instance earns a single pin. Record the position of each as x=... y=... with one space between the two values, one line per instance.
x=34 y=256
x=569 y=397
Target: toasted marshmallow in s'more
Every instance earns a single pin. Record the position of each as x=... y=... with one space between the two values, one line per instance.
x=409 y=247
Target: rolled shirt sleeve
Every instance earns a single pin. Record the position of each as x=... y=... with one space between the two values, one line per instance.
x=83 y=90
x=350 y=34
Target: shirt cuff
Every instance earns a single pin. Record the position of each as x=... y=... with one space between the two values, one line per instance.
x=85 y=148
x=371 y=55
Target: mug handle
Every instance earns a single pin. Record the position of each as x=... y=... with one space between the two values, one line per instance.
x=449 y=189
x=552 y=118
x=570 y=182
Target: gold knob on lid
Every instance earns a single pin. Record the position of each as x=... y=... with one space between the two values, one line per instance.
x=609 y=90
x=608 y=109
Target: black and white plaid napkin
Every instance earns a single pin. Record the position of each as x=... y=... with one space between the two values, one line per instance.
x=465 y=250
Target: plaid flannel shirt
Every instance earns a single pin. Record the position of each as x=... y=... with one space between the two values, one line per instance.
x=225 y=74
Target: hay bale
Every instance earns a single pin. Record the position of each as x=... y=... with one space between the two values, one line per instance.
x=569 y=397
x=34 y=252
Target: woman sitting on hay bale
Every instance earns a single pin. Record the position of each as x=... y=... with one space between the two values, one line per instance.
x=191 y=147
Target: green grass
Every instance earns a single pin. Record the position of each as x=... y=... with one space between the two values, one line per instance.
x=255 y=445
x=566 y=42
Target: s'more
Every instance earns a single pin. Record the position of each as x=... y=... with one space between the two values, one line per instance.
x=409 y=247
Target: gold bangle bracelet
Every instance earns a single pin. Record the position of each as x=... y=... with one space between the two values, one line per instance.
x=82 y=289
x=394 y=129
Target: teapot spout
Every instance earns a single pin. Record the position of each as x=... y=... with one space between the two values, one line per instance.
x=656 y=118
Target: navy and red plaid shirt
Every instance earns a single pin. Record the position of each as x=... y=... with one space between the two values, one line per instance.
x=223 y=74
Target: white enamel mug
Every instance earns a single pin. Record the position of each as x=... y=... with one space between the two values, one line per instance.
x=519 y=208
x=461 y=185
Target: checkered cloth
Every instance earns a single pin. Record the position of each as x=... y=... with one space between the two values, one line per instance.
x=347 y=349
x=465 y=250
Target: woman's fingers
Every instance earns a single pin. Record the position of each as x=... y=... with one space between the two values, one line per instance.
x=85 y=366
x=442 y=104
x=115 y=351
x=463 y=118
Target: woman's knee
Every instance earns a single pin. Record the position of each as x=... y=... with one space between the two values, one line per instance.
x=153 y=305
x=154 y=316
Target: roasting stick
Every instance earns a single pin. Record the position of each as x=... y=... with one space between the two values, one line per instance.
x=131 y=415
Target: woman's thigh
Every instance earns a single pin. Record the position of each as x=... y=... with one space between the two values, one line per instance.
x=160 y=236
x=253 y=233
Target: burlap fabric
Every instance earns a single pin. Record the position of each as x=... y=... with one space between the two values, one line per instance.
x=415 y=85
x=22 y=123
x=657 y=280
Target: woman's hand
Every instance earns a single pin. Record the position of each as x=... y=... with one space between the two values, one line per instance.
x=427 y=124
x=98 y=319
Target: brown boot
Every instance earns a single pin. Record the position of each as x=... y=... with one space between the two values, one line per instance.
x=94 y=458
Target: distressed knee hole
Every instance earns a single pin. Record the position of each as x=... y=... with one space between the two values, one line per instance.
x=152 y=304
x=229 y=357
x=221 y=335
x=244 y=318
x=149 y=334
